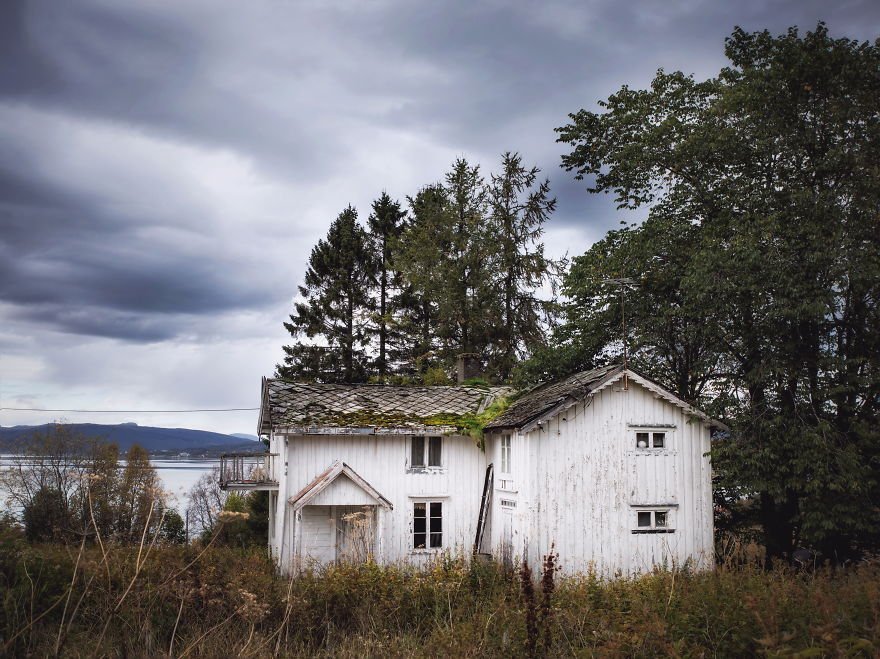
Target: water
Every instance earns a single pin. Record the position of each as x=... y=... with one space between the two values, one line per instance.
x=178 y=475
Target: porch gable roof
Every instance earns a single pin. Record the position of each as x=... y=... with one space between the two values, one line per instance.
x=323 y=480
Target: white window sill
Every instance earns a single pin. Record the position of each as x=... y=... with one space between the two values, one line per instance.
x=426 y=470
x=639 y=531
x=433 y=550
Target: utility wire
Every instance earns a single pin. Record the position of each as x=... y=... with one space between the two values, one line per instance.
x=43 y=409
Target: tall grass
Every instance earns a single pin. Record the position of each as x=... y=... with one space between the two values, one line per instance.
x=184 y=601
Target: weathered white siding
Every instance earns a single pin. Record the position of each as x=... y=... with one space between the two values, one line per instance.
x=575 y=484
x=383 y=461
x=579 y=479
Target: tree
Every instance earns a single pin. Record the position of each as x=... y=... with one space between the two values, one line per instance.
x=517 y=212
x=773 y=164
x=173 y=528
x=444 y=258
x=386 y=224
x=140 y=497
x=335 y=307
x=205 y=500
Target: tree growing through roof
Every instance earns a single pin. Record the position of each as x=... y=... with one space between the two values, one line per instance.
x=331 y=320
x=773 y=164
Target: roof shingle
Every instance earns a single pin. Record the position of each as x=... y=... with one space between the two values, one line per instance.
x=302 y=405
x=545 y=397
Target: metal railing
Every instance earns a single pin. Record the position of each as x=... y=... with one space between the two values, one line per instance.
x=248 y=471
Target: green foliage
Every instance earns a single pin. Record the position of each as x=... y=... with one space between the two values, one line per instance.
x=46 y=517
x=335 y=306
x=458 y=273
x=756 y=276
x=173 y=529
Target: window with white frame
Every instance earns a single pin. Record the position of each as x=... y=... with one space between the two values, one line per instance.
x=426 y=452
x=427 y=524
x=653 y=519
x=505 y=454
x=651 y=439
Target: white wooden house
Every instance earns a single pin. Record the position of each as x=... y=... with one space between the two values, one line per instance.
x=606 y=468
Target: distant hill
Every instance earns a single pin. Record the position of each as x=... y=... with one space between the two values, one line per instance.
x=158 y=441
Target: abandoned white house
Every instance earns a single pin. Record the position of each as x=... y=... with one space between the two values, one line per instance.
x=606 y=467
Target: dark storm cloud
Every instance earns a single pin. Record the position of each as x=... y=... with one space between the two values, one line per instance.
x=295 y=90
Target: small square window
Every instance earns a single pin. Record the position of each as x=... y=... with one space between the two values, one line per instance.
x=645 y=519
x=642 y=439
x=660 y=519
x=659 y=439
x=653 y=521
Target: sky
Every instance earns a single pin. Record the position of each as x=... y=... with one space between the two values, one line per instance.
x=166 y=167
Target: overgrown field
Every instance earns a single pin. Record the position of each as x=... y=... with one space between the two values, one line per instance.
x=226 y=602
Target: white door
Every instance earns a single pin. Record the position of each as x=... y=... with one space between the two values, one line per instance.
x=318 y=535
x=507 y=508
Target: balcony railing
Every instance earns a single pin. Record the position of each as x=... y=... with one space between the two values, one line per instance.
x=248 y=471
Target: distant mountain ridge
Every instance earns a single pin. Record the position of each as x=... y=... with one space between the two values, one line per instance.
x=125 y=435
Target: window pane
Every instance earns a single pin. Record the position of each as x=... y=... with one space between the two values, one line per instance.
x=418 y=452
x=434 y=444
x=436 y=524
x=419 y=525
x=642 y=439
x=644 y=519
x=436 y=509
x=660 y=519
x=419 y=510
x=436 y=540
x=418 y=540
x=659 y=439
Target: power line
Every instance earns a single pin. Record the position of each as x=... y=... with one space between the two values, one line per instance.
x=44 y=409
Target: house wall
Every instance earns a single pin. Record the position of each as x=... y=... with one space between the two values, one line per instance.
x=577 y=481
x=383 y=461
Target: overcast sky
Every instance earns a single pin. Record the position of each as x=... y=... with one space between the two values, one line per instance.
x=165 y=167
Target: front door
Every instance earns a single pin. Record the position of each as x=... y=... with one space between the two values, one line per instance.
x=355 y=533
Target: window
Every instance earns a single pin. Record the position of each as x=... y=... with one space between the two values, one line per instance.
x=505 y=454
x=426 y=453
x=651 y=439
x=655 y=520
x=427 y=525
x=418 y=452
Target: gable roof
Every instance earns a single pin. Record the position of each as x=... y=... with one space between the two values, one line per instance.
x=323 y=480
x=545 y=401
x=316 y=408
x=543 y=398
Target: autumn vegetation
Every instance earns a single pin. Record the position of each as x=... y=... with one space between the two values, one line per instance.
x=752 y=288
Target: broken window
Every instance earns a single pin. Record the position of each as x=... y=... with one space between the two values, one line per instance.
x=657 y=520
x=427 y=525
x=649 y=439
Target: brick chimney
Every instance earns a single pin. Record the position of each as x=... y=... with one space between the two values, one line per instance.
x=468 y=365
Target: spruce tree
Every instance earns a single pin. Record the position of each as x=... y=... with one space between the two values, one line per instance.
x=334 y=312
x=518 y=209
x=386 y=223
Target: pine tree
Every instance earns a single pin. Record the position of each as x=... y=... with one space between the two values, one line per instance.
x=335 y=307
x=386 y=224
x=517 y=212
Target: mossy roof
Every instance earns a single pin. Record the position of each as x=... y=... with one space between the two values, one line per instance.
x=308 y=406
x=544 y=398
